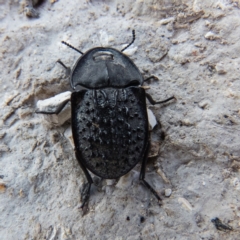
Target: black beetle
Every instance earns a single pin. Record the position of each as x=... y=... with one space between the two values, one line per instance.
x=109 y=116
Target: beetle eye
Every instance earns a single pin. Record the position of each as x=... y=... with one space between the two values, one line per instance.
x=102 y=55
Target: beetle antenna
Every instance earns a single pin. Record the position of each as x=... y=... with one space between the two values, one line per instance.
x=67 y=44
x=133 y=39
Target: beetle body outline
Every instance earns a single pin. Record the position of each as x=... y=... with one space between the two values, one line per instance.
x=109 y=117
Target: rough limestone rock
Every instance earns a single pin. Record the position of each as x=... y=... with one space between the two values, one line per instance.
x=193 y=48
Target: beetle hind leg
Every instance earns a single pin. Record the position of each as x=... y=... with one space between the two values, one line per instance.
x=142 y=176
x=85 y=193
x=153 y=102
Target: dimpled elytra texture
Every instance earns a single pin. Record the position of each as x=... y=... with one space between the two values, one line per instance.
x=110 y=129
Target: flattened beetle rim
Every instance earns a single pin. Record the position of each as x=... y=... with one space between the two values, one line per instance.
x=104 y=50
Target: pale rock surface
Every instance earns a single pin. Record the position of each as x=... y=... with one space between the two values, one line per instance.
x=199 y=156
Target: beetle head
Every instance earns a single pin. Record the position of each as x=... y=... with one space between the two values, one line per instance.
x=105 y=67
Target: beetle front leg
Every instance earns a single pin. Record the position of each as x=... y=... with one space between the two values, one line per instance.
x=68 y=69
x=85 y=193
x=142 y=176
x=153 y=102
x=55 y=111
x=151 y=78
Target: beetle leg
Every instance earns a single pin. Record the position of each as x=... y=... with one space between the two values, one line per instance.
x=68 y=69
x=153 y=102
x=142 y=175
x=57 y=110
x=151 y=77
x=85 y=194
x=87 y=186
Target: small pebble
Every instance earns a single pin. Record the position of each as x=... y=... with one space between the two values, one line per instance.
x=211 y=36
x=220 y=68
x=168 y=192
x=203 y=104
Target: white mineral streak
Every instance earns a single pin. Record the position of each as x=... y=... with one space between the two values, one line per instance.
x=185 y=203
x=166 y=20
x=51 y=104
x=68 y=135
x=103 y=38
x=130 y=51
x=151 y=119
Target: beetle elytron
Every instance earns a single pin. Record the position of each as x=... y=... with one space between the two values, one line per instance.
x=109 y=116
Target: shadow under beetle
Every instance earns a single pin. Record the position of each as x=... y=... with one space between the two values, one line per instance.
x=109 y=116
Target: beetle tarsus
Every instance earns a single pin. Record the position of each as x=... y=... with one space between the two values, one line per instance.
x=151 y=78
x=153 y=102
x=152 y=190
x=85 y=194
